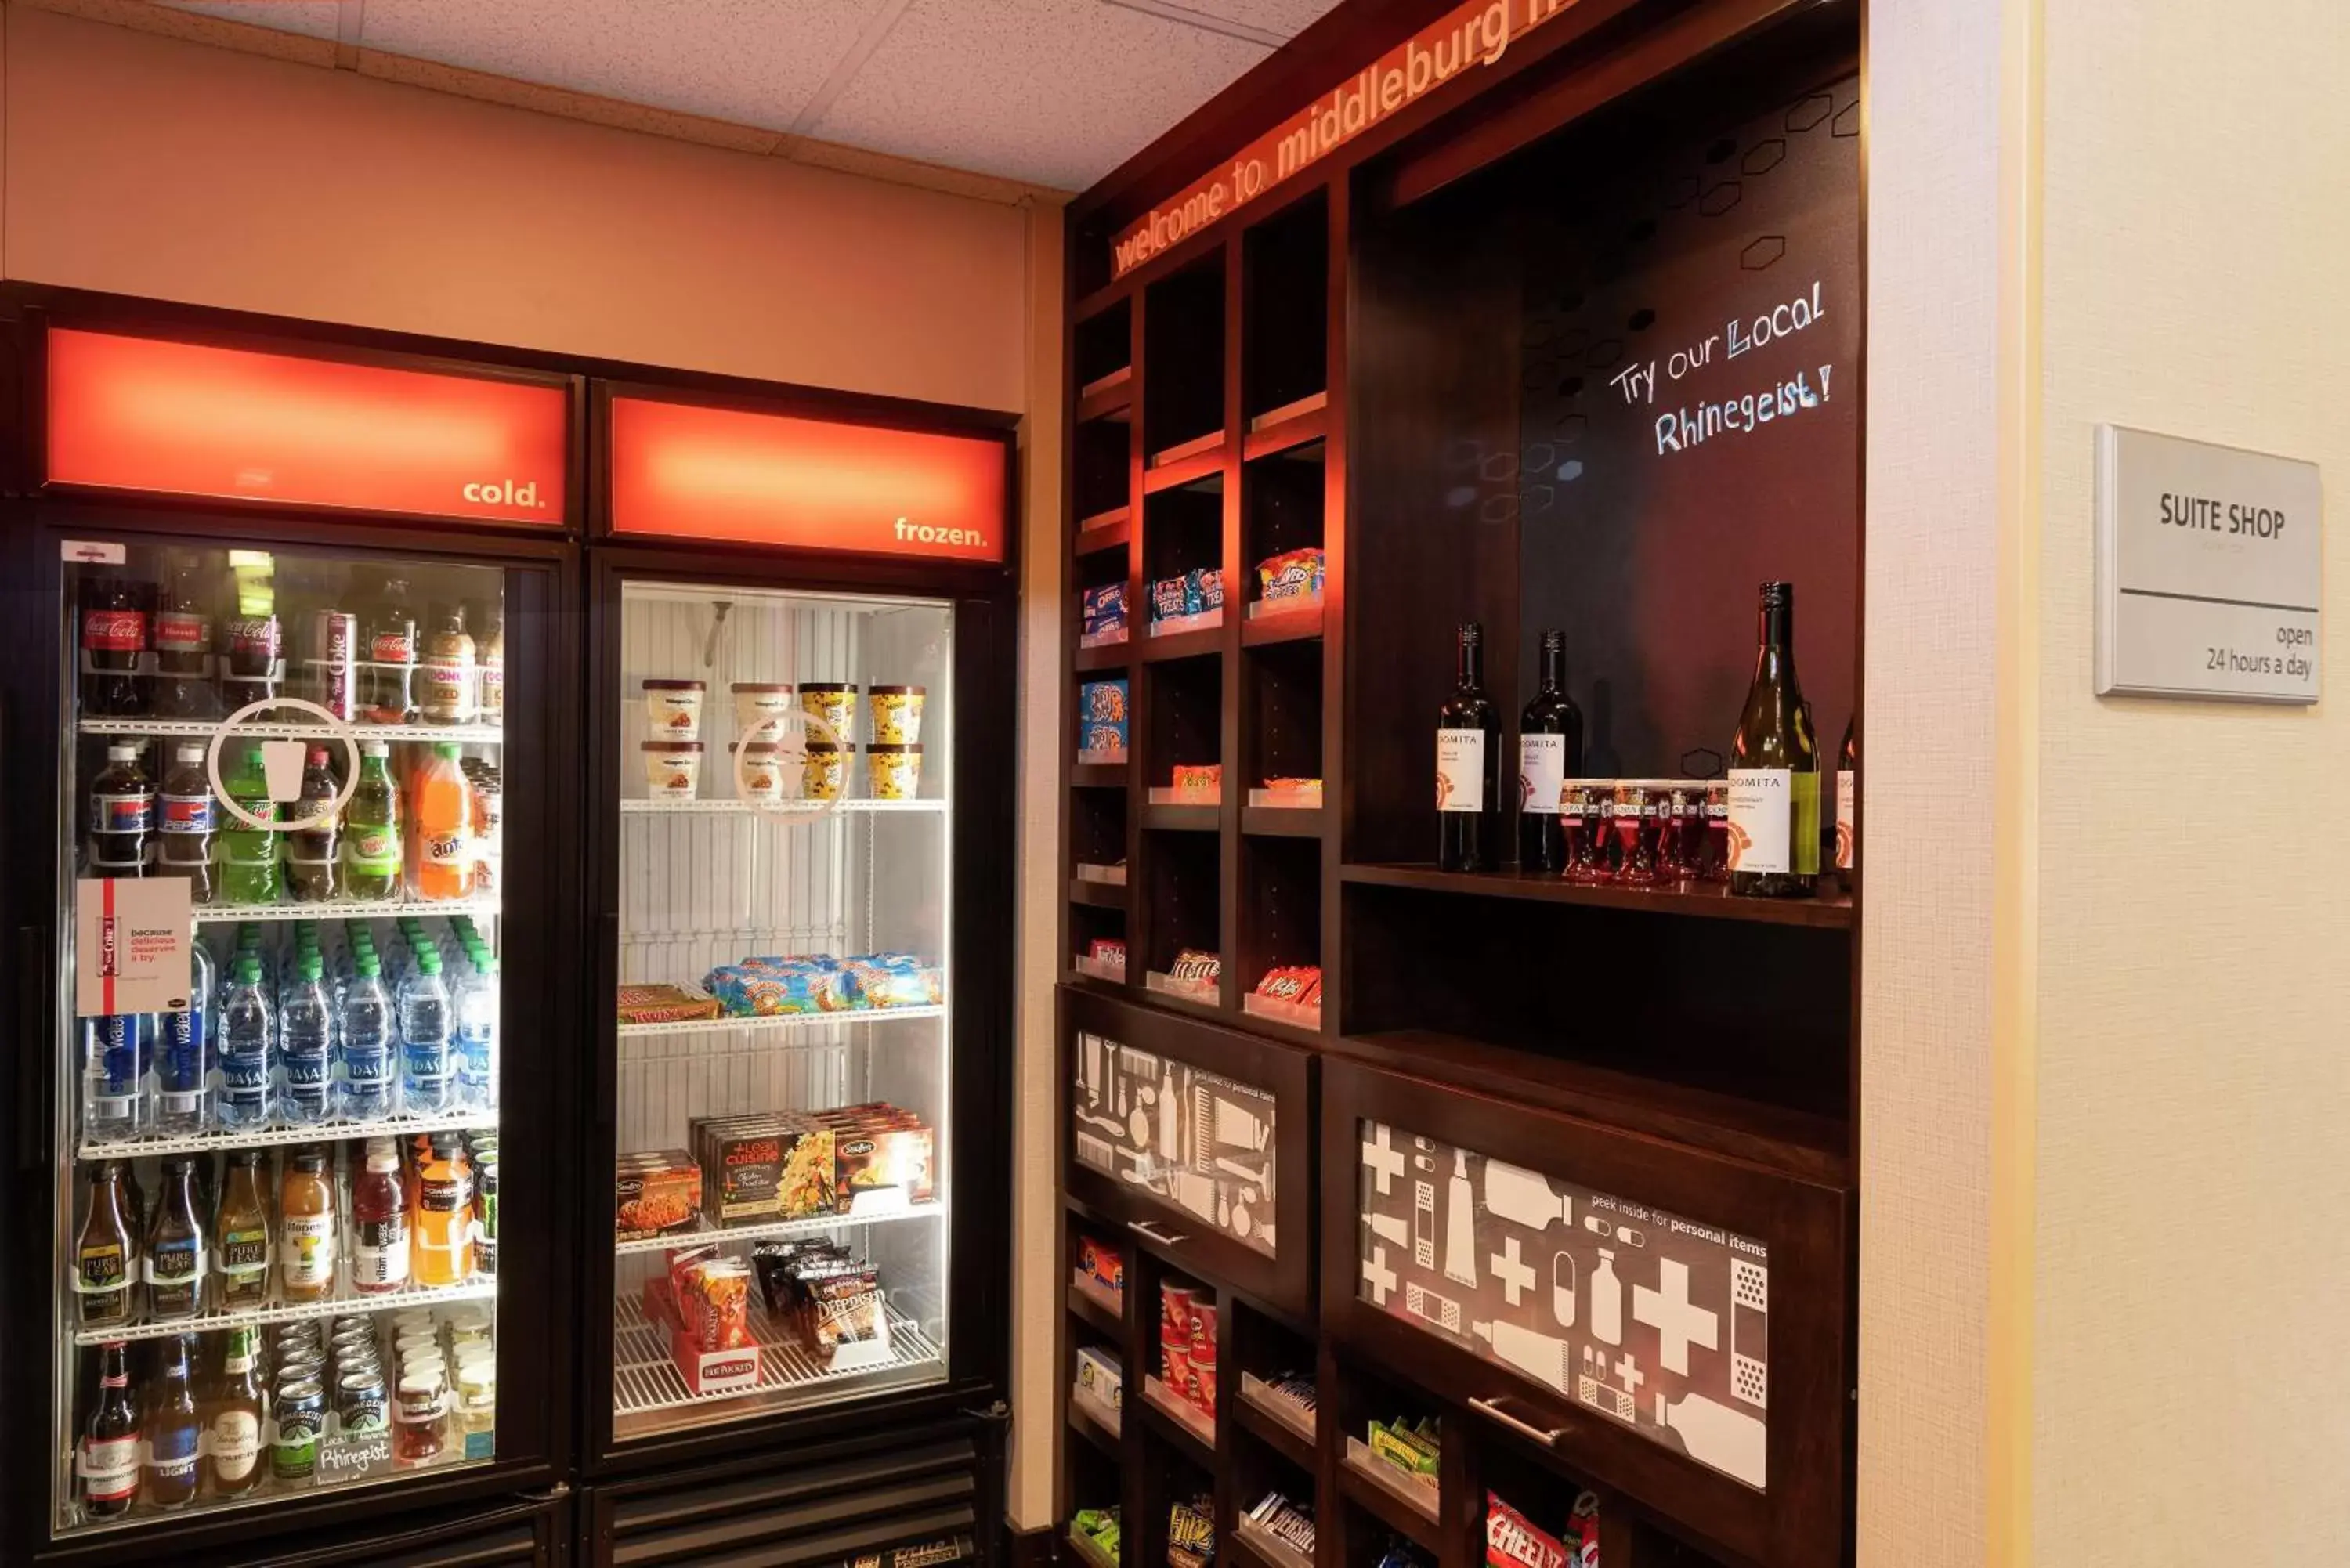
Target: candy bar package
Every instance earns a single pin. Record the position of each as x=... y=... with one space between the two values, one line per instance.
x=1291 y=575
x=1206 y=588
x=664 y=1004
x=1104 y=611
x=656 y=1193
x=1299 y=985
x=1292 y=1523
x=1410 y=1448
x=1199 y=968
x=1199 y=778
x=893 y=980
x=1513 y=1540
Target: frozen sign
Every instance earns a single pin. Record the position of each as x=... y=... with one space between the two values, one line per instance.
x=1720 y=401
x=2208 y=570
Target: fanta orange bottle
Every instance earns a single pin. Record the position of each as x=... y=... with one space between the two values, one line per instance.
x=441 y=805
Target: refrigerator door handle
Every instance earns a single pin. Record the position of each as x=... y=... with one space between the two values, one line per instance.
x=33 y=958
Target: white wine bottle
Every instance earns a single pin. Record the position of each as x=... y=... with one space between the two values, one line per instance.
x=1774 y=769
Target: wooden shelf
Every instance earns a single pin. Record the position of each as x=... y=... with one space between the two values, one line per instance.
x=1111 y=398
x=1281 y=626
x=1274 y=1432
x=1286 y=427
x=1194 y=468
x=1086 y=1425
x=1100 y=895
x=1107 y=530
x=1178 y=1422
x=1098 y=775
x=1093 y=1556
x=1797 y=1143
x=1184 y=818
x=1283 y=821
x=1103 y=656
x=1705 y=901
x=1385 y=1502
x=1204 y=643
x=1094 y=1312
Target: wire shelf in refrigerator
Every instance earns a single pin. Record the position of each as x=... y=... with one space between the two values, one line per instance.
x=645 y=1380
x=787 y=810
x=331 y=1130
x=782 y=1020
x=344 y=909
x=204 y=729
x=478 y=1290
x=814 y=1225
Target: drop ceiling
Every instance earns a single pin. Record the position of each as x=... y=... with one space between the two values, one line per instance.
x=1053 y=93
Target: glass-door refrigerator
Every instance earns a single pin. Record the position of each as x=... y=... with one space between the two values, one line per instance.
x=802 y=874
x=283 y=785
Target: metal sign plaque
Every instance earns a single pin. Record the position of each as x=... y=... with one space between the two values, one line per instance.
x=2209 y=570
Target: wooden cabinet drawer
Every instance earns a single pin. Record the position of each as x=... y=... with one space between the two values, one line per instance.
x=1661 y=1319
x=1200 y=1138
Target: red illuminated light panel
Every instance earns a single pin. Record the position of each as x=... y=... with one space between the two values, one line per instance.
x=681 y=471
x=186 y=419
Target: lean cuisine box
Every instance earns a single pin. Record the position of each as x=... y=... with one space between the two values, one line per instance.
x=776 y=1165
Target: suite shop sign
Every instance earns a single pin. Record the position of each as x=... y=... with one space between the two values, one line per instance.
x=1477 y=34
x=2208 y=570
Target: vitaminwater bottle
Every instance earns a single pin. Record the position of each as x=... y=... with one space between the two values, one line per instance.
x=441 y=865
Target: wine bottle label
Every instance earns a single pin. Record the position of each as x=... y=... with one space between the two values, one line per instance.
x=1460 y=770
x=1541 y=773
x=1762 y=818
x=1845 y=819
x=309 y=1249
x=235 y=1444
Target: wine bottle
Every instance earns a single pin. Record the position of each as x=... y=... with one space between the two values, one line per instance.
x=1774 y=769
x=1550 y=753
x=1847 y=819
x=1469 y=766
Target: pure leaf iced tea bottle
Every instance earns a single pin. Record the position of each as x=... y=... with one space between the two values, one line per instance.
x=176 y=1254
x=241 y=1233
x=106 y=1254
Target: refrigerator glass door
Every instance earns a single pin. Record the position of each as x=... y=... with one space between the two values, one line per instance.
x=276 y=1246
x=785 y=842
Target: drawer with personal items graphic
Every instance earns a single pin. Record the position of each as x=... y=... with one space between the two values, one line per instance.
x=1199 y=1139
x=1663 y=1319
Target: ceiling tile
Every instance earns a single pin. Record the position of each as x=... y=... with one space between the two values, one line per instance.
x=311 y=18
x=1059 y=92
x=757 y=62
x=1287 y=18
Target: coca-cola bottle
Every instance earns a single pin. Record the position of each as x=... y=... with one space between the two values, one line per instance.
x=249 y=664
x=391 y=685
x=113 y=636
x=183 y=647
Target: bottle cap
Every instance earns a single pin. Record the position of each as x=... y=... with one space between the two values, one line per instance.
x=121 y=751
x=189 y=751
x=380 y=1161
x=312 y=966
x=429 y=960
x=375 y=749
x=445 y=749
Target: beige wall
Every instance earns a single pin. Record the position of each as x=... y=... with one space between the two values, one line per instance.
x=149 y=166
x=2102 y=1245
x=155 y=167
x=2192 y=1196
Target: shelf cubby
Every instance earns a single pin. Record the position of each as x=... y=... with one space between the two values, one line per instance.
x=1281 y=713
x=1182 y=880
x=1183 y=359
x=1280 y=907
x=1285 y=317
x=1181 y=717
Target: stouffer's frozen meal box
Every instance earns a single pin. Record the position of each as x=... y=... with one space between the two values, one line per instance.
x=657 y=1193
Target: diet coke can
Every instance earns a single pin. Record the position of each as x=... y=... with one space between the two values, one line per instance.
x=334 y=661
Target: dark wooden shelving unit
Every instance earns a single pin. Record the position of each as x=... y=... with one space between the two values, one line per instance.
x=1403 y=356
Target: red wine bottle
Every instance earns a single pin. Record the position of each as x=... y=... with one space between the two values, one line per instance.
x=1847 y=805
x=1550 y=753
x=1468 y=767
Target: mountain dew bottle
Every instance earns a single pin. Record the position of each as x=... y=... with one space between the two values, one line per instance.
x=248 y=853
